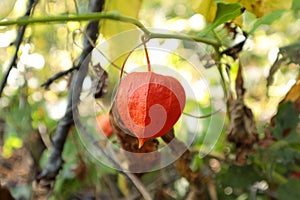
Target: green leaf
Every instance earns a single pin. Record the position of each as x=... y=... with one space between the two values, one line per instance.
x=225 y=13
x=267 y=19
x=291 y=52
x=286 y=121
x=296 y=5
x=287 y=155
x=290 y=190
x=239 y=176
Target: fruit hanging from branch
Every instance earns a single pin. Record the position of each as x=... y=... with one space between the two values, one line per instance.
x=149 y=104
x=103 y=125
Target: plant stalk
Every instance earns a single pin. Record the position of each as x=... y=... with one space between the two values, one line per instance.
x=112 y=15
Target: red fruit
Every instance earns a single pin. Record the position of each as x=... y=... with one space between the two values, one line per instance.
x=103 y=124
x=295 y=175
x=149 y=104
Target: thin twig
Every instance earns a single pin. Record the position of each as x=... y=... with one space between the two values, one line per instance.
x=17 y=43
x=105 y=56
x=139 y=185
x=202 y=116
x=57 y=76
x=129 y=54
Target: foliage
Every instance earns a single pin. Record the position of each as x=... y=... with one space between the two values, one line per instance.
x=255 y=52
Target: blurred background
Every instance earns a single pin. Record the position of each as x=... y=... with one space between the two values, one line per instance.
x=29 y=113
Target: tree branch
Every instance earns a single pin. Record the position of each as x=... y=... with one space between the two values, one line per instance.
x=17 y=43
x=57 y=76
x=55 y=160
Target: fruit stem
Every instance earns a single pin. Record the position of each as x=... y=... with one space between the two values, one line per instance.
x=132 y=50
x=147 y=55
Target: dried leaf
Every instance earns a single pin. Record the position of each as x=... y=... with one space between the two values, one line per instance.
x=286 y=119
x=239 y=84
x=206 y=8
x=286 y=55
x=130 y=143
x=100 y=83
x=242 y=128
x=294 y=95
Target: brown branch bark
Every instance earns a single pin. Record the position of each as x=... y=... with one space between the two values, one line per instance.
x=55 y=160
x=47 y=84
x=130 y=143
x=17 y=43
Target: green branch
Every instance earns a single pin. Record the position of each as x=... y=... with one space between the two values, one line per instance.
x=185 y=37
x=105 y=15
